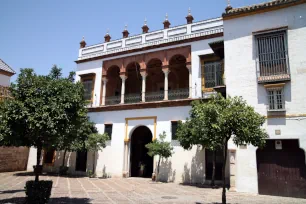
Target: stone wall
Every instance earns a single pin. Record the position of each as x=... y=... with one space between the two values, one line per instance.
x=13 y=158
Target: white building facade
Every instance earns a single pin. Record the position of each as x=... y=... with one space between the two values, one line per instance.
x=140 y=86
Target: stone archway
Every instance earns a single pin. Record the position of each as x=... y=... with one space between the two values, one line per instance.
x=138 y=155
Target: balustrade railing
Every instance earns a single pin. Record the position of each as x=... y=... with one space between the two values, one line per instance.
x=112 y=100
x=178 y=94
x=154 y=96
x=132 y=98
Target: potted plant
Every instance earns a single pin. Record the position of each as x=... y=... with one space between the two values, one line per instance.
x=63 y=170
x=142 y=168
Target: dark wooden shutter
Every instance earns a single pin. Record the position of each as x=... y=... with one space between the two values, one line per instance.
x=108 y=129
x=173 y=129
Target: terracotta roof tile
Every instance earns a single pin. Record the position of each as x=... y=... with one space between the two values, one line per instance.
x=274 y=3
x=5 y=67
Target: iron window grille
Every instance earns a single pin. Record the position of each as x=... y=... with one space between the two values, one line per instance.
x=272 y=54
x=276 y=99
x=88 y=85
x=108 y=128
x=213 y=74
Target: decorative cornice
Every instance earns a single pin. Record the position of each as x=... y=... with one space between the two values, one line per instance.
x=158 y=104
x=151 y=46
x=260 y=8
x=175 y=35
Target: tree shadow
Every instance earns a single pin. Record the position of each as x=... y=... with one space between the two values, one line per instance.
x=195 y=174
x=60 y=200
x=166 y=173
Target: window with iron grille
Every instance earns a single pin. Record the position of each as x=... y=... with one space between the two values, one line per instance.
x=212 y=74
x=173 y=129
x=108 y=128
x=272 y=53
x=88 y=86
x=276 y=99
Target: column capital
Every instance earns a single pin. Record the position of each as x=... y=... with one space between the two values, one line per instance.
x=104 y=80
x=144 y=74
x=123 y=77
x=166 y=71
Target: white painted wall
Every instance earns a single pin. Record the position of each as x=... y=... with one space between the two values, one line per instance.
x=240 y=71
x=4 y=80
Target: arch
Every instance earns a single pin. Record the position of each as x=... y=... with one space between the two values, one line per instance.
x=113 y=88
x=133 y=83
x=155 y=78
x=179 y=74
x=141 y=164
x=183 y=51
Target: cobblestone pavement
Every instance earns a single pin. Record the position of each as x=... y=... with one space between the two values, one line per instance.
x=73 y=190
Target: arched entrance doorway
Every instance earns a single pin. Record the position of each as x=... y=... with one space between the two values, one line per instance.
x=141 y=162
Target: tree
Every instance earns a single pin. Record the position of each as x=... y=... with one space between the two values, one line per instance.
x=94 y=141
x=42 y=109
x=197 y=130
x=229 y=118
x=160 y=148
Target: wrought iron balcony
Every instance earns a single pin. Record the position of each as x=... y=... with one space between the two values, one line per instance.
x=132 y=98
x=155 y=96
x=112 y=100
x=178 y=94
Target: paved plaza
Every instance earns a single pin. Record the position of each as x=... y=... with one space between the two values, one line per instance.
x=117 y=190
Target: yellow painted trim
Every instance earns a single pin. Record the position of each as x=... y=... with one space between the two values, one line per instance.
x=285 y=116
x=127 y=139
x=274 y=85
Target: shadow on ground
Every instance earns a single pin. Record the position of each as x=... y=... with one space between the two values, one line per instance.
x=11 y=191
x=62 y=200
x=48 y=174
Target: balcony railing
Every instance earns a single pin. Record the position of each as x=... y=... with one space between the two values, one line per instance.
x=155 y=96
x=132 y=98
x=4 y=93
x=112 y=100
x=178 y=94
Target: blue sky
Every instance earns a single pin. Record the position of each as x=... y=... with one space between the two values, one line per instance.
x=37 y=34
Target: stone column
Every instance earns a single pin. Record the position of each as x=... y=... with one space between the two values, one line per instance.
x=188 y=66
x=104 y=81
x=143 y=95
x=166 y=72
x=123 y=78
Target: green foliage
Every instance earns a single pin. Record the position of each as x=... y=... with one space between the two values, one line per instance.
x=96 y=141
x=91 y=174
x=38 y=192
x=45 y=112
x=160 y=147
x=213 y=123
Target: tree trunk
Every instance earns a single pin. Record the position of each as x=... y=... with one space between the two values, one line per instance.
x=93 y=163
x=38 y=154
x=158 y=168
x=213 y=169
x=64 y=157
x=223 y=171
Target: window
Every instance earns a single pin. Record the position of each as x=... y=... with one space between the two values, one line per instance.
x=108 y=128
x=272 y=53
x=173 y=129
x=49 y=156
x=88 y=86
x=213 y=74
x=276 y=99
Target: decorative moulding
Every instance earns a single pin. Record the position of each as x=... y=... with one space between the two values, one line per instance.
x=132 y=41
x=177 y=31
x=114 y=45
x=154 y=36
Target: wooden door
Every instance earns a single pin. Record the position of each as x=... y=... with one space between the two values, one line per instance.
x=81 y=161
x=282 y=172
